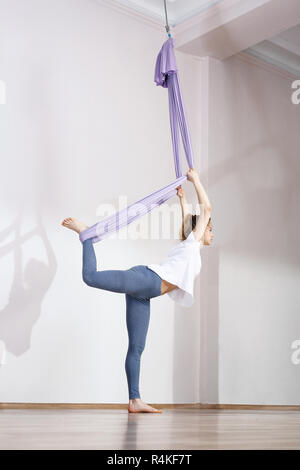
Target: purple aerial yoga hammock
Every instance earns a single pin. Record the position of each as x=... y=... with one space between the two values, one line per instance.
x=165 y=76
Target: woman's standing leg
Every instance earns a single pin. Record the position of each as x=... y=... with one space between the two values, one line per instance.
x=137 y=321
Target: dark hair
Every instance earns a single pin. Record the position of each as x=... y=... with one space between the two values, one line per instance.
x=194 y=220
x=189 y=225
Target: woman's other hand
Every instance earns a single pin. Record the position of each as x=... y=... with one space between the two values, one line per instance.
x=192 y=175
x=180 y=192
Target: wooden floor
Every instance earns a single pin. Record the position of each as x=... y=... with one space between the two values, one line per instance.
x=173 y=429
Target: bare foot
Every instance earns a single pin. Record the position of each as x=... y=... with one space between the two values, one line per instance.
x=74 y=224
x=136 y=405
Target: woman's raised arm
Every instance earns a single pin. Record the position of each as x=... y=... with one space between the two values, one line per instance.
x=205 y=206
x=185 y=210
x=193 y=176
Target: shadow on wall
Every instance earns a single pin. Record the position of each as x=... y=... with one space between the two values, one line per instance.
x=28 y=289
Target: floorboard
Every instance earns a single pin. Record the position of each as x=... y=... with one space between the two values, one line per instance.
x=173 y=429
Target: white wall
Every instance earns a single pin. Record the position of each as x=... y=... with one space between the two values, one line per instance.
x=83 y=124
x=250 y=314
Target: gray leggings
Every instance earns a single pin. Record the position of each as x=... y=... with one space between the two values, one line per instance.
x=139 y=284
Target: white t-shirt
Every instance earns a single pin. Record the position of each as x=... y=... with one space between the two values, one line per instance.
x=181 y=267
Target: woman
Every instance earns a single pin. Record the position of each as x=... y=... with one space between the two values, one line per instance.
x=175 y=276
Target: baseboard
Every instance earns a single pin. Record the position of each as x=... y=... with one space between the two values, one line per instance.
x=121 y=406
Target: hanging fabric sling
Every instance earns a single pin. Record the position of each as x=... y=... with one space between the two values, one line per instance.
x=165 y=76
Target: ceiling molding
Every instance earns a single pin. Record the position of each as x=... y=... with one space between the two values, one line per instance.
x=157 y=24
x=284 y=44
x=278 y=58
x=262 y=63
x=176 y=14
x=227 y=9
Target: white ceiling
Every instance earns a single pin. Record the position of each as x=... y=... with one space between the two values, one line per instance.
x=178 y=10
x=282 y=50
